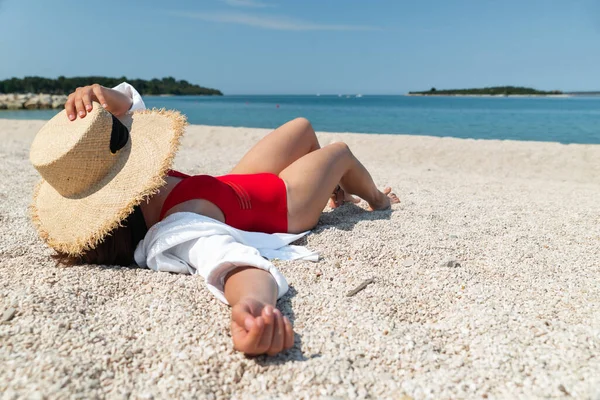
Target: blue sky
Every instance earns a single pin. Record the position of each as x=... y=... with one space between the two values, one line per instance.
x=309 y=46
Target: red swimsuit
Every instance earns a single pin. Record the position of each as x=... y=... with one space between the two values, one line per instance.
x=256 y=202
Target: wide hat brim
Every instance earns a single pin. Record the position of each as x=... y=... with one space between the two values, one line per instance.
x=75 y=224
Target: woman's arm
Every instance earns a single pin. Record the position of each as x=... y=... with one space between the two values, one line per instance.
x=234 y=272
x=250 y=282
x=257 y=327
x=79 y=103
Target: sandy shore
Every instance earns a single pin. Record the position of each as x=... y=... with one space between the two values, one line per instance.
x=517 y=317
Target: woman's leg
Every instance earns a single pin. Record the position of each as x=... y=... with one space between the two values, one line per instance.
x=311 y=179
x=282 y=147
x=279 y=149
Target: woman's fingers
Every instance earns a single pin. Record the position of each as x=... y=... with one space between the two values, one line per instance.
x=289 y=334
x=278 y=334
x=79 y=106
x=240 y=313
x=267 y=335
x=87 y=100
x=80 y=102
x=248 y=341
x=238 y=333
x=254 y=336
x=99 y=93
x=70 y=107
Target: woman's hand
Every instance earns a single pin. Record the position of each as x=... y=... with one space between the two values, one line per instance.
x=79 y=103
x=258 y=328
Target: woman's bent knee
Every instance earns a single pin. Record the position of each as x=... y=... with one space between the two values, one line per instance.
x=303 y=123
x=341 y=147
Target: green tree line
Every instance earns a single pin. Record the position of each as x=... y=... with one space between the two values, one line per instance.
x=496 y=90
x=62 y=85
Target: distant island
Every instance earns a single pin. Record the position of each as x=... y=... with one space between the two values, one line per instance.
x=34 y=92
x=488 y=91
x=64 y=86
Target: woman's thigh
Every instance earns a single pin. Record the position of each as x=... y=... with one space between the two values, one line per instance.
x=279 y=149
x=310 y=181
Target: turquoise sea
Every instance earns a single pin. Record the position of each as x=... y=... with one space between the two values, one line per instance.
x=566 y=120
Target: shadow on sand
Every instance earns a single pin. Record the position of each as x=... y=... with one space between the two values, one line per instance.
x=344 y=218
x=347 y=216
x=295 y=353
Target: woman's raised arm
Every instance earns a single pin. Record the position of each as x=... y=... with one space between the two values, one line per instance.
x=117 y=101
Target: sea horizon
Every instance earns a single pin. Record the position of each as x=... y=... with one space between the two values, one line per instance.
x=563 y=119
x=567 y=94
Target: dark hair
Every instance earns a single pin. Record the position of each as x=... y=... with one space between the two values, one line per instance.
x=117 y=247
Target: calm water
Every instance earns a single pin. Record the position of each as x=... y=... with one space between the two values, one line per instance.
x=567 y=120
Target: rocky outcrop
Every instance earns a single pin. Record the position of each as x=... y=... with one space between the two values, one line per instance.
x=31 y=101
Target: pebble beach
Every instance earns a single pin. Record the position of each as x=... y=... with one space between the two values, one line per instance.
x=484 y=282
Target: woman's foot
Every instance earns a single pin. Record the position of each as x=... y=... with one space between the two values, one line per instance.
x=339 y=197
x=386 y=199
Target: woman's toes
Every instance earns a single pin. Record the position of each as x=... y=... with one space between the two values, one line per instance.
x=392 y=196
x=387 y=199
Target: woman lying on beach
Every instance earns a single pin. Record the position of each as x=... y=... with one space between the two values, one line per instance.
x=107 y=180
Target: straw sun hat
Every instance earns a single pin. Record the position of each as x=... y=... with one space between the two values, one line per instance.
x=95 y=170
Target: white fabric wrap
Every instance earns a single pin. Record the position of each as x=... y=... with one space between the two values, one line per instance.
x=128 y=90
x=194 y=244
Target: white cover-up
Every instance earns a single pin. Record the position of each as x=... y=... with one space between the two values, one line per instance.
x=127 y=89
x=194 y=244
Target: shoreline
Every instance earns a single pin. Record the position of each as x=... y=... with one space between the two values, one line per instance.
x=356 y=133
